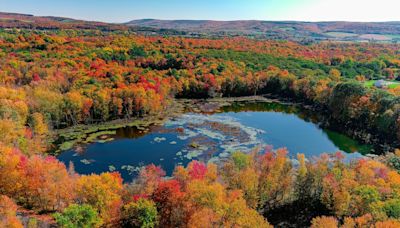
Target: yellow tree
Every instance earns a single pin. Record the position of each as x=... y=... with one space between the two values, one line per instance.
x=102 y=192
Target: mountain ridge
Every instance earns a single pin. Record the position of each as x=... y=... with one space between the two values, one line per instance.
x=281 y=30
x=325 y=30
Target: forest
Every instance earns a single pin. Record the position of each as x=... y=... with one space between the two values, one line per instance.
x=52 y=80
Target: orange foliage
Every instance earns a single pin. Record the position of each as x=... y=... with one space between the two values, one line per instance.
x=8 y=211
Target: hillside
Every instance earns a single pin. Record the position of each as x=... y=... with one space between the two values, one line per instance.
x=350 y=31
x=27 y=21
x=279 y=30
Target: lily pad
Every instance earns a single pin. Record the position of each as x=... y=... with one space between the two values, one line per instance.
x=159 y=139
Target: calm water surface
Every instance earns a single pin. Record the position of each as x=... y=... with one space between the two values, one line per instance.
x=212 y=137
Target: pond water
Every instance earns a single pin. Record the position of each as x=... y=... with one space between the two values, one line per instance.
x=211 y=138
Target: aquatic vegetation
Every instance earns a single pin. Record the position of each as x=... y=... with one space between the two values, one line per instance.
x=211 y=134
x=67 y=145
x=105 y=140
x=209 y=138
x=86 y=161
x=159 y=139
x=131 y=169
x=187 y=134
x=227 y=133
x=196 y=152
x=84 y=134
x=94 y=136
x=111 y=168
x=194 y=145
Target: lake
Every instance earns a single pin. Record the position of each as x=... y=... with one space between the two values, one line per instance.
x=211 y=137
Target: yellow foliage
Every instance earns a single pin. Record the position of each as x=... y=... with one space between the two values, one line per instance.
x=103 y=192
x=324 y=222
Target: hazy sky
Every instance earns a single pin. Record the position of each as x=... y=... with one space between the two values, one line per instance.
x=125 y=10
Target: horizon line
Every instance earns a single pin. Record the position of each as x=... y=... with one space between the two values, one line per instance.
x=138 y=19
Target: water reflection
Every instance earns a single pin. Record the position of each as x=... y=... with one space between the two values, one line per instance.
x=211 y=137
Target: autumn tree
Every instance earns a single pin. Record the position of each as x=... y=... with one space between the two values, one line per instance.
x=39 y=125
x=103 y=193
x=47 y=184
x=8 y=211
x=324 y=222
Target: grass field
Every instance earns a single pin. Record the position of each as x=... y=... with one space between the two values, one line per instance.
x=341 y=34
x=393 y=84
x=378 y=37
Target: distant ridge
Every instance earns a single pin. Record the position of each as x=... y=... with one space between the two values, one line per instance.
x=28 y=21
x=334 y=29
x=285 y=30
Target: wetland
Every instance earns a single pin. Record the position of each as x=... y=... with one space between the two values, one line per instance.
x=206 y=131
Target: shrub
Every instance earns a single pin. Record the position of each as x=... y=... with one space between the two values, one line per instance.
x=392 y=208
x=79 y=216
x=324 y=222
x=141 y=213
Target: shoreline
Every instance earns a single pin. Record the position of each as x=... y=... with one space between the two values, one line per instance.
x=68 y=138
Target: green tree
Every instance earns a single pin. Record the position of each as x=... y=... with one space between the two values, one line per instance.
x=240 y=160
x=137 y=51
x=78 y=216
x=365 y=196
x=141 y=213
x=392 y=208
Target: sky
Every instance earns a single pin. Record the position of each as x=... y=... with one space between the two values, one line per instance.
x=125 y=10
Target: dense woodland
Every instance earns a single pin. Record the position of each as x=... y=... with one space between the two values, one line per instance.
x=51 y=80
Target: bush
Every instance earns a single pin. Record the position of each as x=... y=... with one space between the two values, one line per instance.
x=79 y=216
x=394 y=162
x=240 y=160
x=324 y=222
x=141 y=213
x=392 y=208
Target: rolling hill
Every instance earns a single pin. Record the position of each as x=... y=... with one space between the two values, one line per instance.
x=27 y=21
x=336 y=30
x=290 y=30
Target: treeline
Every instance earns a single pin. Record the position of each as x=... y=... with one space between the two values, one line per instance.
x=376 y=68
x=349 y=104
x=330 y=192
x=75 y=76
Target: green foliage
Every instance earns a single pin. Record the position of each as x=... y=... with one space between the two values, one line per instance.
x=392 y=208
x=343 y=95
x=137 y=51
x=142 y=213
x=256 y=61
x=32 y=223
x=367 y=193
x=241 y=160
x=78 y=216
x=394 y=162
